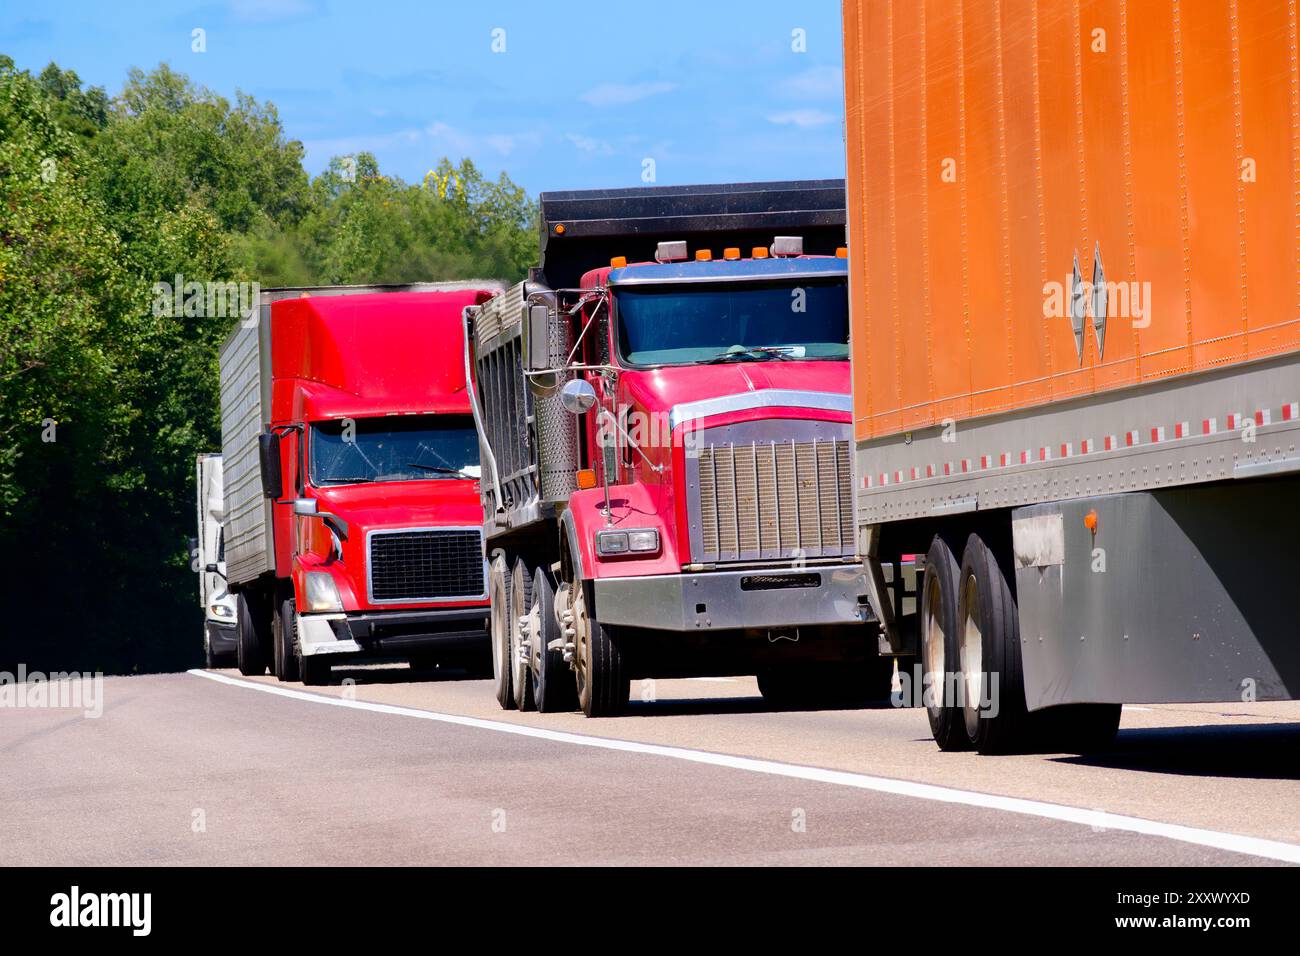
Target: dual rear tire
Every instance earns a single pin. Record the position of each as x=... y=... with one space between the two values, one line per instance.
x=973 y=673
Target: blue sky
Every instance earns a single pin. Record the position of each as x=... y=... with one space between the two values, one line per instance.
x=582 y=95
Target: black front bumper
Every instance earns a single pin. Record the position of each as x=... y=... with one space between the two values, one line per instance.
x=220 y=637
x=399 y=632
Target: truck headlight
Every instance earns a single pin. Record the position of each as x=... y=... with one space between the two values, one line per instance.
x=220 y=610
x=322 y=593
x=639 y=540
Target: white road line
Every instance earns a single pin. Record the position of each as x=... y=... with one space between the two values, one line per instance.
x=1097 y=819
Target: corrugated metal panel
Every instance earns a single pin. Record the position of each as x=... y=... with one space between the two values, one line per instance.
x=248 y=513
x=989 y=144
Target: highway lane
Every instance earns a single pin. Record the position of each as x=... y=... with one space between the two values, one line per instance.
x=180 y=769
x=1228 y=767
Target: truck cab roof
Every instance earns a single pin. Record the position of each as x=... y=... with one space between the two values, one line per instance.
x=717 y=270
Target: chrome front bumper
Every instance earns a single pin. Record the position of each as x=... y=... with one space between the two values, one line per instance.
x=765 y=598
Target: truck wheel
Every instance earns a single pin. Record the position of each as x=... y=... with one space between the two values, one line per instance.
x=599 y=672
x=939 y=649
x=499 y=631
x=285 y=640
x=316 y=670
x=554 y=688
x=993 y=702
x=521 y=602
x=251 y=639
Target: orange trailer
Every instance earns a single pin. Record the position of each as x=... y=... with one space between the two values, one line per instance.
x=1075 y=324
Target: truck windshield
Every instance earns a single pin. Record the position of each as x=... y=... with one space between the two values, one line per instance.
x=696 y=323
x=391 y=448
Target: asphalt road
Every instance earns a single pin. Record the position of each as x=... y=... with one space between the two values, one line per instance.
x=394 y=767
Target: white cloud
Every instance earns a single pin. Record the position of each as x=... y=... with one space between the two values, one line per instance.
x=616 y=94
x=588 y=144
x=804 y=119
x=816 y=83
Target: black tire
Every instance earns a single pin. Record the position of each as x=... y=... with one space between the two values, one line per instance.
x=995 y=717
x=316 y=670
x=940 y=649
x=600 y=676
x=521 y=600
x=285 y=639
x=252 y=642
x=1079 y=728
x=499 y=631
x=554 y=689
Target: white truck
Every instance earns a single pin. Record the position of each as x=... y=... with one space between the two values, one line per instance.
x=208 y=559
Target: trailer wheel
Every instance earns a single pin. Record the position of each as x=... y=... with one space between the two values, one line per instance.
x=599 y=672
x=993 y=702
x=554 y=689
x=285 y=639
x=940 y=653
x=521 y=601
x=499 y=630
x=251 y=639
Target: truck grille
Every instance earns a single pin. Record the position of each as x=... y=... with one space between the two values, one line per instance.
x=772 y=500
x=429 y=564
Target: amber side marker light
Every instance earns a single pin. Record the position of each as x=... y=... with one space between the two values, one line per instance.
x=703 y=255
x=618 y=262
x=559 y=228
x=586 y=478
x=1090 y=521
x=842 y=252
x=731 y=252
x=758 y=252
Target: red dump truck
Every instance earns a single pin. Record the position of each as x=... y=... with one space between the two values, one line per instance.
x=664 y=414
x=352 y=519
x=1075 y=298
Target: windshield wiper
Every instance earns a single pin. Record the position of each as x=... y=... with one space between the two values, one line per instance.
x=756 y=353
x=441 y=469
x=355 y=479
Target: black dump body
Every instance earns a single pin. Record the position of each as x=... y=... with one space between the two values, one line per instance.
x=601 y=223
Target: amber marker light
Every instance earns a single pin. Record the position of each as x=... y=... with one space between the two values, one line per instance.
x=703 y=255
x=758 y=252
x=586 y=478
x=618 y=262
x=1090 y=521
x=731 y=252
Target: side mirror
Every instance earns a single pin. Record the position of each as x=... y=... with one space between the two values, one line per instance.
x=537 y=338
x=268 y=453
x=305 y=506
x=577 y=396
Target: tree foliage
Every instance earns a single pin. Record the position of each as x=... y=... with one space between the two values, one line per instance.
x=103 y=403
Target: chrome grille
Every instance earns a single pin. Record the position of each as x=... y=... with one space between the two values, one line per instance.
x=772 y=499
x=425 y=564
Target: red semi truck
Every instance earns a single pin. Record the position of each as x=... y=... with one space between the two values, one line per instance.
x=353 y=524
x=664 y=416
